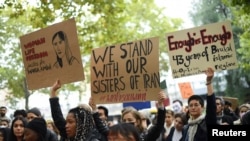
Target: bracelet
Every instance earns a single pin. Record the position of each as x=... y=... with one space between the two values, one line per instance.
x=209 y=78
x=208 y=83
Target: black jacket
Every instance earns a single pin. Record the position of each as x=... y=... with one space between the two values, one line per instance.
x=51 y=136
x=60 y=122
x=210 y=119
x=154 y=132
x=171 y=133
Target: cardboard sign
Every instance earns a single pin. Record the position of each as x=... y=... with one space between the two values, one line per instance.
x=128 y=72
x=233 y=100
x=52 y=53
x=185 y=89
x=192 y=51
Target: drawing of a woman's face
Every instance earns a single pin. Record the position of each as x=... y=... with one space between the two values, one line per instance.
x=59 y=45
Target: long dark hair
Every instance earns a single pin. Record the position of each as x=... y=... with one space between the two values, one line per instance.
x=12 y=136
x=127 y=130
x=68 y=52
x=5 y=131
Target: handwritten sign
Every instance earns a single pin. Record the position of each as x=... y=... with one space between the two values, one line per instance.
x=233 y=100
x=185 y=89
x=52 y=53
x=128 y=72
x=192 y=51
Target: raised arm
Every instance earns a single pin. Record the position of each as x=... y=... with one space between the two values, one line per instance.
x=210 y=74
x=155 y=131
x=100 y=125
x=57 y=85
x=56 y=111
x=211 y=105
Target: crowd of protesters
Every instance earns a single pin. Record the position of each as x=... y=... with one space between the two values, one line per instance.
x=89 y=122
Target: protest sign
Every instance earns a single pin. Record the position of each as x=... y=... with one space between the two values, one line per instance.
x=186 y=89
x=127 y=72
x=192 y=51
x=234 y=101
x=52 y=53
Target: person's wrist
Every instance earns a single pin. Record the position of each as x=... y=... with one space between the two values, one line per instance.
x=209 y=82
x=94 y=111
x=209 y=78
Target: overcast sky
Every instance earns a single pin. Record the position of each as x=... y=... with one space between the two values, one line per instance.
x=177 y=9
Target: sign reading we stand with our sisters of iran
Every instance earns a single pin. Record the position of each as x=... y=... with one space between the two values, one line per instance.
x=127 y=72
x=192 y=51
x=52 y=53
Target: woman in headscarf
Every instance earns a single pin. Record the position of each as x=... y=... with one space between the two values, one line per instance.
x=79 y=124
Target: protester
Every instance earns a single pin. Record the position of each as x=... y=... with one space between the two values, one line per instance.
x=104 y=114
x=17 y=129
x=228 y=110
x=20 y=113
x=35 y=130
x=196 y=129
x=51 y=125
x=146 y=120
x=33 y=113
x=123 y=132
x=4 y=133
x=243 y=109
x=169 y=123
x=3 y=112
x=134 y=117
x=79 y=124
x=4 y=122
x=101 y=125
x=176 y=132
x=246 y=118
x=36 y=113
x=222 y=118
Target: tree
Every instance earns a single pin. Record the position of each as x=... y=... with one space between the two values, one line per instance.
x=99 y=23
x=240 y=10
x=212 y=11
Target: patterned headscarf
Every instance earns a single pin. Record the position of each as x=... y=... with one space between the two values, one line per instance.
x=84 y=123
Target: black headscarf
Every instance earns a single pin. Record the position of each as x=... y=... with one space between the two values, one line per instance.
x=84 y=123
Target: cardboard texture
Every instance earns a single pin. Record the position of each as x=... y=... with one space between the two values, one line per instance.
x=52 y=53
x=127 y=72
x=192 y=51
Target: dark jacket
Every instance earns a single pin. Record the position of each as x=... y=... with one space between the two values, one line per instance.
x=154 y=132
x=210 y=119
x=171 y=133
x=102 y=128
x=60 y=122
x=227 y=119
x=51 y=136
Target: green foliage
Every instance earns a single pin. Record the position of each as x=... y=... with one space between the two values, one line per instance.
x=211 y=11
x=99 y=24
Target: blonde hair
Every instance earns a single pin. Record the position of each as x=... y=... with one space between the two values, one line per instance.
x=55 y=129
